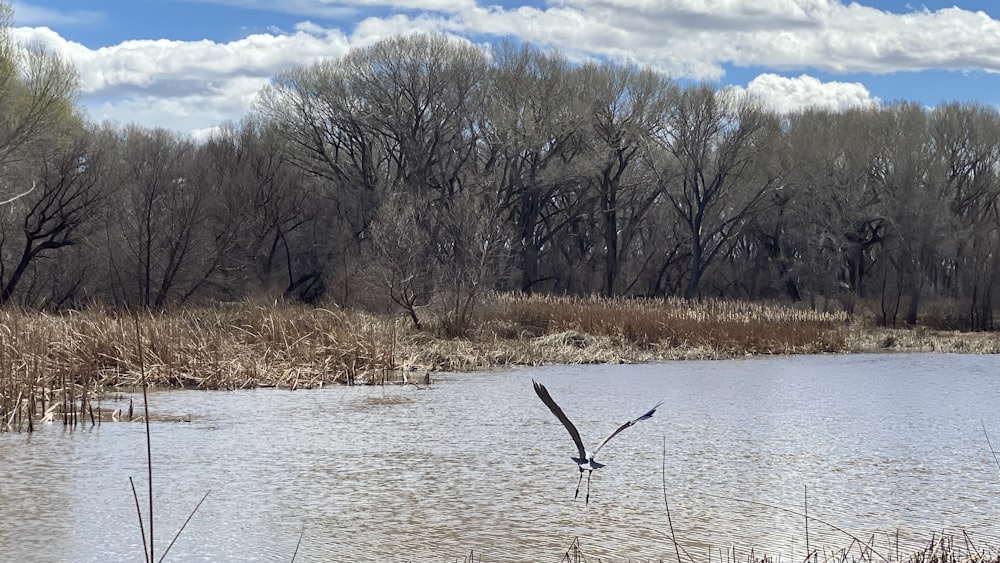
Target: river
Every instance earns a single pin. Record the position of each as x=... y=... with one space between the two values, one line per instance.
x=885 y=448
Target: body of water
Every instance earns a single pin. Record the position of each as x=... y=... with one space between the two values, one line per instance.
x=889 y=447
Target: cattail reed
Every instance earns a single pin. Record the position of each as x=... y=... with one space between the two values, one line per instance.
x=71 y=358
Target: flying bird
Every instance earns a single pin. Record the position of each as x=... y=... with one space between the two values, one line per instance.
x=586 y=459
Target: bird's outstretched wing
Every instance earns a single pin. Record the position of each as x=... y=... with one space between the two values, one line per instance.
x=543 y=394
x=647 y=414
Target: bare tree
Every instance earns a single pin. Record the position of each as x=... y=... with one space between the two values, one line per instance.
x=56 y=214
x=967 y=143
x=37 y=113
x=535 y=131
x=440 y=254
x=325 y=124
x=914 y=197
x=156 y=232
x=400 y=115
x=473 y=253
x=404 y=265
x=629 y=106
x=423 y=96
x=258 y=204
x=721 y=172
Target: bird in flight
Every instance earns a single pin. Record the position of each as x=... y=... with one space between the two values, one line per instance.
x=586 y=459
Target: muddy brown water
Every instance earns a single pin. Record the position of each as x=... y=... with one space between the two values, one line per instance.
x=888 y=447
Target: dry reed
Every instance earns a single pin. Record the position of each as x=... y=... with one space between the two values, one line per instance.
x=670 y=328
x=943 y=548
x=68 y=358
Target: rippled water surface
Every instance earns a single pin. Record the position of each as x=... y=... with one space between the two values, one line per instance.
x=477 y=464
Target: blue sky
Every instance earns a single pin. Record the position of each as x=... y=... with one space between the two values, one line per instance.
x=190 y=65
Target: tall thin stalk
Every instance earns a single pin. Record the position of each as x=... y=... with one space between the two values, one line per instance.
x=149 y=552
x=142 y=529
x=670 y=522
x=149 y=446
x=836 y=528
x=805 y=512
x=992 y=451
x=184 y=525
x=297 y=545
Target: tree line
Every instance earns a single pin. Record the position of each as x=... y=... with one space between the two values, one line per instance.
x=425 y=170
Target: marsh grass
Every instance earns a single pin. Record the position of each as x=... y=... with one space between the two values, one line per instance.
x=58 y=367
x=944 y=548
x=672 y=326
x=73 y=358
x=865 y=337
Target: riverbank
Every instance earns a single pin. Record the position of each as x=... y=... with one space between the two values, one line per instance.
x=249 y=345
x=172 y=338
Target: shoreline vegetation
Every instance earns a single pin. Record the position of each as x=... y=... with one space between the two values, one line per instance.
x=246 y=345
x=58 y=365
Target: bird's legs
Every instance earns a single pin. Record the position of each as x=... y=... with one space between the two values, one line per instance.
x=577 y=493
x=589 y=474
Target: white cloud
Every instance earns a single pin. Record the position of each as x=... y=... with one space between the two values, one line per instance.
x=340 y=8
x=421 y=5
x=373 y=29
x=184 y=85
x=787 y=95
x=310 y=27
x=197 y=112
x=693 y=39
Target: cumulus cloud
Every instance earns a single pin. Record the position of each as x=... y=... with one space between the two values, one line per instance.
x=371 y=30
x=197 y=112
x=152 y=64
x=328 y=8
x=695 y=39
x=184 y=85
x=787 y=95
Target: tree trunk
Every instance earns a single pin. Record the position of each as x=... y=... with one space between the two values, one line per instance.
x=608 y=207
x=697 y=267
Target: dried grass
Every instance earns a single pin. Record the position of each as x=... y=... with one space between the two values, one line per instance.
x=225 y=346
x=866 y=338
x=68 y=358
x=670 y=328
x=943 y=548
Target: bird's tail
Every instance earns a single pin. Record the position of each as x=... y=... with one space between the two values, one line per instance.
x=589 y=463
